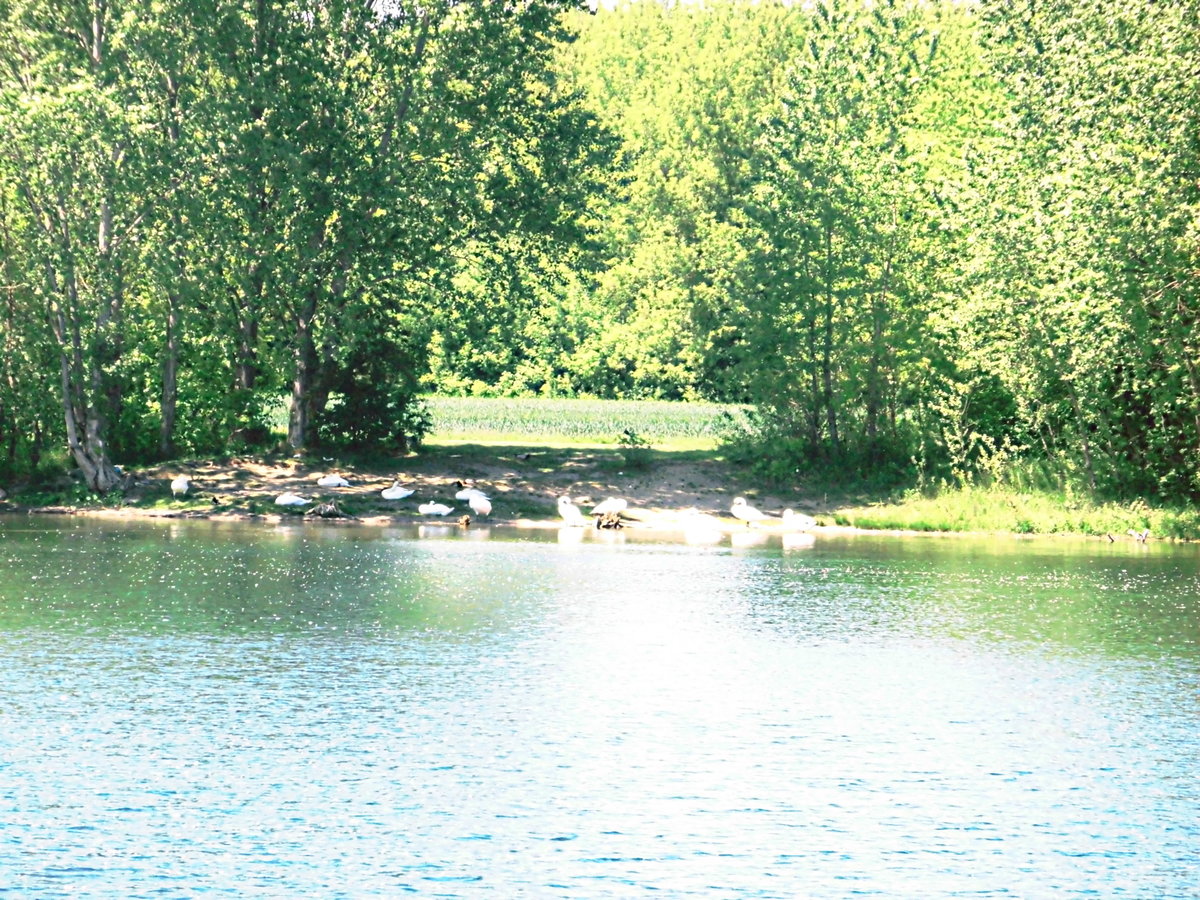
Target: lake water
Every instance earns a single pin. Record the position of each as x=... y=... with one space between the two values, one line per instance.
x=196 y=710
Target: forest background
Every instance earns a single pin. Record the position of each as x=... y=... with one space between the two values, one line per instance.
x=926 y=242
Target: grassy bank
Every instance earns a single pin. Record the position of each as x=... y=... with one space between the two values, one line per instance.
x=1000 y=510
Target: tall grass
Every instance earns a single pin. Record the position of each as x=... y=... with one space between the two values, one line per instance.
x=661 y=424
x=998 y=509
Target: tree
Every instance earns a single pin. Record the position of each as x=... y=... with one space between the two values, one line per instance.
x=79 y=139
x=27 y=363
x=686 y=89
x=842 y=221
x=1092 y=239
x=396 y=139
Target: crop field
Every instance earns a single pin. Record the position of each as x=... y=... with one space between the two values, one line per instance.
x=662 y=424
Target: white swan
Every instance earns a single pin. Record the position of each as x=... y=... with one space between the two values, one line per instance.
x=332 y=480
x=180 y=485
x=794 y=521
x=287 y=498
x=435 y=509
x=480 y=505
x=747 y=513
x=395 y=492
x=611 y=505
x=466 y=493
x=570 y=512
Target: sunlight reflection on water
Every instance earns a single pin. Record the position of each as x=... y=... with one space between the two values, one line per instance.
x=337 y=712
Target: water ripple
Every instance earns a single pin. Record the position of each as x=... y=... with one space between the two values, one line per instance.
x=233 y=712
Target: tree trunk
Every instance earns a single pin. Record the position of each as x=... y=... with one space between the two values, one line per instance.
x=831 y=421
x=813 y=413
x=84 y=422
x=872 y=398
x=300 y=414
x=246 y=369
x=170 y=385
x=1085 y=444
x=170 y=369
x=85 y=429
x=310 y=390
x=10 y=351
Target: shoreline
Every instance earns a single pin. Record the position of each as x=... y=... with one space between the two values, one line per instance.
x=650 y=521
x=524 y=483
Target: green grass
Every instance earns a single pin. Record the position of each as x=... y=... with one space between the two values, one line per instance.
x=998 y=510
x=561 y=422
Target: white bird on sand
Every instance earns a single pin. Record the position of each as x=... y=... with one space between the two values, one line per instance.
x=435 y=509
x=464 y=492
x=287 y=498
x=480 y=504
x=332 y=480
x=747 y=513
x=180 y=485
x=794 y=521
x=396 y=492
x=611 y=505
x=570 y=512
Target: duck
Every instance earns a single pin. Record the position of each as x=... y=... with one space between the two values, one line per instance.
x=180 y=485
x=332 y=480
x=747 y=513
x=570 y=512
x=611 y=505
x=396 y=492
x=287 y=498
x=794 y=521
x=435 y=509
x=480 y=504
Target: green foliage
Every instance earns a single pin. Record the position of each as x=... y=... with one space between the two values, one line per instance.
x=778 y=454
x=1084 y=313
x=209 y=202
x=687 y=92
x=635 y=449
x=932 y=243
x=373 y=402
x=843 y=222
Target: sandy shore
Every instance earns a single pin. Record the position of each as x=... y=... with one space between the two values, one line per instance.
x=523 y=484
